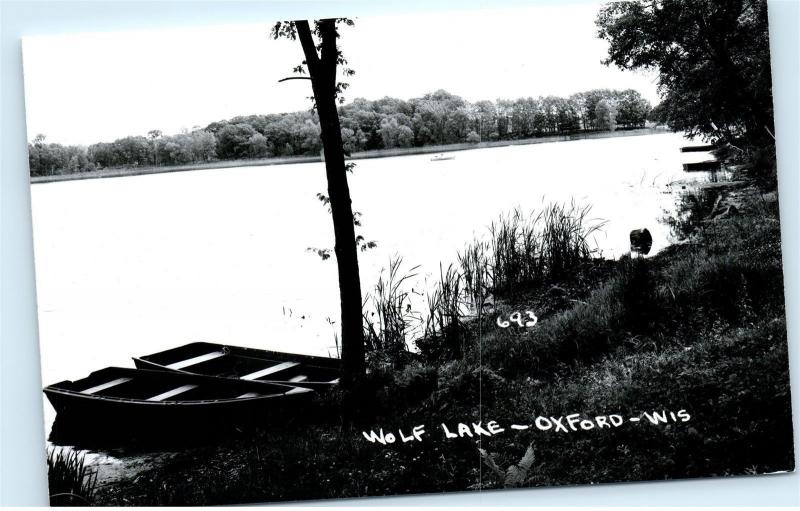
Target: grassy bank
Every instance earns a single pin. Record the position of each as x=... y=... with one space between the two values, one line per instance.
x=378 y=153
x=699 y=327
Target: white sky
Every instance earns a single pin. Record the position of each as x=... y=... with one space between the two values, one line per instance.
x=85 y=88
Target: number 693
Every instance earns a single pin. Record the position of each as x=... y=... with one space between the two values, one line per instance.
x=527 y=321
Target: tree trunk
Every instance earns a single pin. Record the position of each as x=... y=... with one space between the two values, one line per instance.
x=322 y=71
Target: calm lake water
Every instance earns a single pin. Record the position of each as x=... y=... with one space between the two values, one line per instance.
x=133 y=265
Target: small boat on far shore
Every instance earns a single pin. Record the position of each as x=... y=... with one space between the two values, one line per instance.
x=248 y=364
x=442 y=157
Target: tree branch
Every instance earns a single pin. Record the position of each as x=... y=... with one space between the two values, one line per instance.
x=307 y=42
x=294 y=78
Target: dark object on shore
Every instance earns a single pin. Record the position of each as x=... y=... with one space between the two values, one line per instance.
x=259 y=366
x=701 y=166
x=641 y=241
x=120 y=406
x=698 y=148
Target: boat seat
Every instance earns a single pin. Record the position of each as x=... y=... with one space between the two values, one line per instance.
x=334 y=381
x=104 y=386
x=299 y=377
x=298 y=390
x=171 y=393
x=196 y=360
x=270 y=370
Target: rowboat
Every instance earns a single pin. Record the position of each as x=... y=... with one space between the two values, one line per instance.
x=123 y=404
x=248 y=364
x=442 y=157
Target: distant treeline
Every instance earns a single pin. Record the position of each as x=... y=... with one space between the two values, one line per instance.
x=434 y=119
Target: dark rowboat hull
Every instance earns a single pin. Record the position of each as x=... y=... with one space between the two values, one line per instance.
x=234 y=362
x=125 y=406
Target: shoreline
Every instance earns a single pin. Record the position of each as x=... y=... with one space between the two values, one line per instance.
x=375 y=153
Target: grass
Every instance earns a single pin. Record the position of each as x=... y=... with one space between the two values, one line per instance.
x=70 y=481
x=733 y=383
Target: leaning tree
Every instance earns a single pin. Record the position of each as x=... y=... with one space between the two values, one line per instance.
x=712 y=58
x=323 y=61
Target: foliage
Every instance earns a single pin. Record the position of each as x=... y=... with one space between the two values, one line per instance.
x=606 y=114
x=47 y=159
x=514 y=476
x=326 y=32
x=712 y=57
x=234 y=140
x=435 y=118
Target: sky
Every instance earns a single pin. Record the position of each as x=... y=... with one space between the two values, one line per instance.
x=87 y=88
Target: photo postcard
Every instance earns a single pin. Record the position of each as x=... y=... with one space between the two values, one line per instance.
x=420 y=253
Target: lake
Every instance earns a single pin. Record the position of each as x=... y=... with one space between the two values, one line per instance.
x=132 y=265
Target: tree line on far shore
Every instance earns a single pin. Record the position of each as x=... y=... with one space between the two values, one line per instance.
x=434 y=119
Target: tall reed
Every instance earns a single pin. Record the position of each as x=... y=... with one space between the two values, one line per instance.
x=565 y=238
x=476 y=275
x=446 y=308
x=540 y=247
x=70 y=480
x=389 y=318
